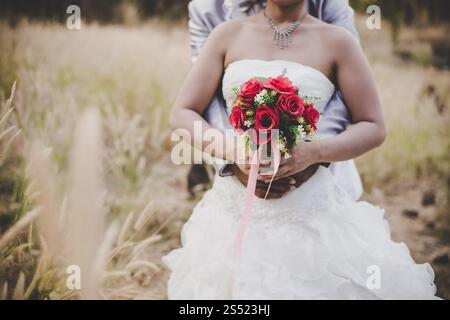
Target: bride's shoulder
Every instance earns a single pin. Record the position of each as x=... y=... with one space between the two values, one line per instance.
x=338 y=42
x=223 y=34
x=333 y=35
x=228 y=29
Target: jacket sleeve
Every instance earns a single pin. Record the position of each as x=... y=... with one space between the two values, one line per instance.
x=201 y=23
x=198 y=29
x=340 y=13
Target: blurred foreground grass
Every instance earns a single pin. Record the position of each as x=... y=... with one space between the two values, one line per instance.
x=92 y=107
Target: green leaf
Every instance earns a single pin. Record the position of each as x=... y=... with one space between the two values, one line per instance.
x=235 y=90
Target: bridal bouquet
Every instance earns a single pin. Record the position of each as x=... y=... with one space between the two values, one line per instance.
x=270 y=111
x=267 y=109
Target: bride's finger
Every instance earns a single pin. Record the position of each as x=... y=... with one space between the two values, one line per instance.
x=267 y=178
x=288 y=181
x=284 y=160
x=266 y=171
x=282 y=181
x=271 y=195
x=266 y=175
x=276 y=187
x=285 y=175
x=283 y=172
x=266 y=163
x=285 y=163
x=276 y=191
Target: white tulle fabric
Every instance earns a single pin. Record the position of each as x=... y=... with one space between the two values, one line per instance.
x=314 y=243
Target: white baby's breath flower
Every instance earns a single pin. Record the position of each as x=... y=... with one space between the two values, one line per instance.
x=301 y=132
x=248 y=123
x=281 y=144
x=260 y=97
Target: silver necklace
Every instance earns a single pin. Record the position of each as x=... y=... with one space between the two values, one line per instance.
x=283 y=37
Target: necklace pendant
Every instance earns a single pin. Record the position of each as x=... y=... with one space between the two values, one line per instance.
x=283 y=38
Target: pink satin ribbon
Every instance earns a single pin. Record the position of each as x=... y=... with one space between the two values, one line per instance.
x=246 y=216
x=276 y=165
x=250 y=193
x=249 y=197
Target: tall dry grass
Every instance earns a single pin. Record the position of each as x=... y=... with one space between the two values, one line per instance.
x=94 y=185
x=8 y=132
x=418 y=141
x=110 y=221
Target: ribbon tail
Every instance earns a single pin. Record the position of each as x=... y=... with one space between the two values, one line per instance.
x=249 y=197
x=276 y=165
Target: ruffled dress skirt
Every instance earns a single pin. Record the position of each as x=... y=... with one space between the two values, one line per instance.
x=314 y=243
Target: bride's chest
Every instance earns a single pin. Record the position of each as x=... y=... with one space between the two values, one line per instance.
x=304 y=49
x=310 y=81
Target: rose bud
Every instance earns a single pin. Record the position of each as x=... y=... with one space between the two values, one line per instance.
x=311 y=114
x=238 y=118
x=281 y=84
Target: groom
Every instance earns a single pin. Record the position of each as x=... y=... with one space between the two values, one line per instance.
x=205 y=15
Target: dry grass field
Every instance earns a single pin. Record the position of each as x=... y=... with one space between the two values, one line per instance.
x=85 y=173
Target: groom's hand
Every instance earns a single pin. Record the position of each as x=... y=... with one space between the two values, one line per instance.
x=279 y=187
x=303 y=156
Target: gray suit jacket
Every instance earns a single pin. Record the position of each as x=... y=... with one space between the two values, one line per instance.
x=205 y=15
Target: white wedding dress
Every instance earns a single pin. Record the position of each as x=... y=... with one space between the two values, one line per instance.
x=314 y=243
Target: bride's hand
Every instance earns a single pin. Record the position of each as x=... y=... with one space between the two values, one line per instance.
x=303 y=155
x=278 y=189
x=244 y=162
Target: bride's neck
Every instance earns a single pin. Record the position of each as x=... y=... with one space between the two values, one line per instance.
x=285 y=13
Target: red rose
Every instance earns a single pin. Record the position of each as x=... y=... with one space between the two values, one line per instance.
x=311 y=114
x=265 y=120
x=250 y=89
x=291 y=104
x=237 y=118
x=281 y=84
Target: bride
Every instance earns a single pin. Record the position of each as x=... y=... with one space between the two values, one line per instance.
x=315 y=242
